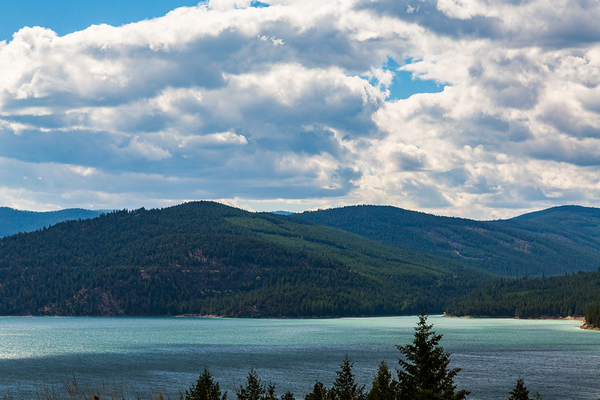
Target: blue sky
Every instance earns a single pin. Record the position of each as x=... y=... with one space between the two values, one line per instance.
x=66 y=16
x=465 y=108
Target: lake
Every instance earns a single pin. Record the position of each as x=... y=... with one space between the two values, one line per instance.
x=555 y=358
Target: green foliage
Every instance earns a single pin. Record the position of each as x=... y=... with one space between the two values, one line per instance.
x=205 y=389
x=288 y=396
x=560 y=296
x=424 y=373
x=270 y=392
x=344 y=386
x=254 y=389
x=319 y=392
x=384 y=386
x=592 y=316
x=559 y=240
x=519 y=392
x=205 y=258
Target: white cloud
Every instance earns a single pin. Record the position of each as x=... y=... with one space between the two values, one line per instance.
x=139 y=148
x=461 y=9
x=290 y=103
x=225 y=5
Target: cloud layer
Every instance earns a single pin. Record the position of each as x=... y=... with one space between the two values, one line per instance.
x=289 y=106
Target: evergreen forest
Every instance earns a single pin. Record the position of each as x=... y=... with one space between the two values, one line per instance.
x=551 y=242
x=206 y=258
x=576 y=295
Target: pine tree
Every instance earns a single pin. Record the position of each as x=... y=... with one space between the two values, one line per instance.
x=254 y=389
x=270 y=393
x=319 y=392
x=205 y=389
x=288 y=396
x=519 y=392
x=384 y=387
x=424 y=374
x=344 y=387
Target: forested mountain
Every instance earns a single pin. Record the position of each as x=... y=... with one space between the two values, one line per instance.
x=574 y=224
x=207 y=258
x=14 y=221
x=558 y=296
x=555 y=241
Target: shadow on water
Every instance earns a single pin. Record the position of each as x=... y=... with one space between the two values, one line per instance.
x=554 y=358
x=175 y=368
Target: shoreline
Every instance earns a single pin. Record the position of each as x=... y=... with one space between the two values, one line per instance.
x=589 y=327
x=548 y=317
x=584 y=326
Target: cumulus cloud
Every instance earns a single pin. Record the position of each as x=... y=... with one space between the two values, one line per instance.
x=292 y=104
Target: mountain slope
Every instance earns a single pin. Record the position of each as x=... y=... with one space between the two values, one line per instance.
x=207 y=258
x=14 y=221
x=574 y=224
x=548 y=243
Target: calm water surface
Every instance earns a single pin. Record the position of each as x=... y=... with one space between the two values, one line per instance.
x=555 y=358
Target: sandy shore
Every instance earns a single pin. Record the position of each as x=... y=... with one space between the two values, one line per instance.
x=569 y=318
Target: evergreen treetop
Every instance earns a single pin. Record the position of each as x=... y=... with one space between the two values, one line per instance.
x=424 y=373
x=344 y=387
x=254 y=389
x=319 y=392
x=205 y=389
x=520 y=392
x=384 y=387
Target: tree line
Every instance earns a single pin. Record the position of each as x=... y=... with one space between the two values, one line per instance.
x=575 y=295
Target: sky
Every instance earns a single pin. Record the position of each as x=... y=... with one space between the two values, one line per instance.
x=473 y=108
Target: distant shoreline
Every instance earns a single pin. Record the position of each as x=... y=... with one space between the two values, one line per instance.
x=543 y=317
x=569 y=317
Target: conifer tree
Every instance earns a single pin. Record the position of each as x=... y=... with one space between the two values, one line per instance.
x=270 y=393
x=288 y=396
x=319 y=392
x=205 y=389
x=424 y=373
x=519 y=392
x=384 y=387
x=254 y=389
x=344 y=387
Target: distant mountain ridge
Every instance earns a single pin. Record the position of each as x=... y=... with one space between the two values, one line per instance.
x=16 y=221
x=205 y=258
x=210 y=259
x=554 y=241
x=549 y=242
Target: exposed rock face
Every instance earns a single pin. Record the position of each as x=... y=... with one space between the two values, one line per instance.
x=85 y=302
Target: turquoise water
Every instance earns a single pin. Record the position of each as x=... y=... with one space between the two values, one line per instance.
x=555 y=358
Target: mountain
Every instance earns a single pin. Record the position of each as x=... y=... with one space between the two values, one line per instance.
x=573 y=224
x=558 y=296
x=281 y=212
x=14 y=221
x=550 y=242
x=207 y=258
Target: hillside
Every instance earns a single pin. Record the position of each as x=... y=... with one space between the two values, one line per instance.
x=207 y=258
x=551 y=242
x=573 y=224
x=14 y=221
x=558 y=296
